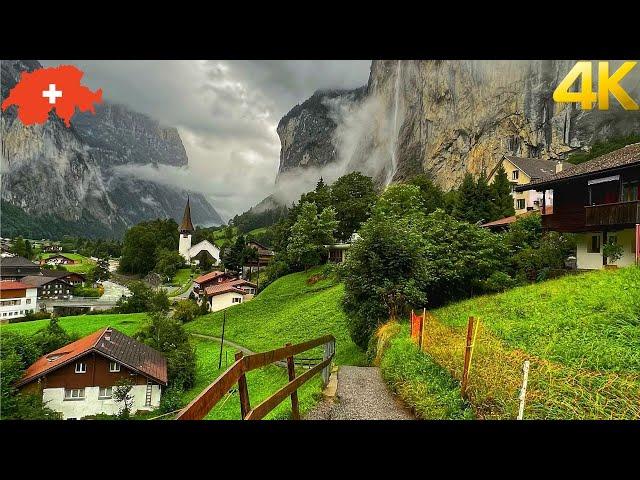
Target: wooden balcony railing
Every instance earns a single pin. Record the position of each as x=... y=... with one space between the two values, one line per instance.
x=613 y=214
x=204 y=402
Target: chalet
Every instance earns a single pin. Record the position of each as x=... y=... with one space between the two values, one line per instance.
x=265 y=255
x=16 y=300
x=15 y=268
x=229 y=293
x=600 y=201
x=197 y=253
x=74 y=278
x=522 y=171
x=212 y=278
x=49 y=287
x=59 y=259
x=51 y=248
x=338 y=251
x=78 y=379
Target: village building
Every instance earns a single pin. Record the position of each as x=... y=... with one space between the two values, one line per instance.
x=599 y=200
x=15 y=268
x=78 y=379
x=59 y=259
x=212 y=278
x=265 y=255
x=17 y=299
x=51 y=248
x=49 y=287
x=229 y=293
x=338 y=251
x=195 y=254
x=74 y=278
x=522 y=171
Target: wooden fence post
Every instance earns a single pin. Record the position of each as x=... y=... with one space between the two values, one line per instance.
x=291 y=370
x=523 y=390
x=329 y=349
x=424 y=318
x=243 y=391
x=467 y=355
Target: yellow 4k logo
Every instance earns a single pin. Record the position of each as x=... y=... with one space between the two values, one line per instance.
x=607 y=84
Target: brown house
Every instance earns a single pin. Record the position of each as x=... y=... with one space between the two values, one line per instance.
x=265 y=255
x=212 y=278
x=14 y=268
x=78 y=379
x=49 y=287
x=600 y=201
x=73 y=278
x=59 y=259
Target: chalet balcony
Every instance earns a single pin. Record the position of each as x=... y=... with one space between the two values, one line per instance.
x=620 y=213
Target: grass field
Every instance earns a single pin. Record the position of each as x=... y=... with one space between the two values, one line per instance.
x=288 y=310
x=82 y=324
x=82 y=267
x=581 y=334
x=182 y=279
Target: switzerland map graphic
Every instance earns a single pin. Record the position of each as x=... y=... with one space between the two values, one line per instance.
x=55 y=88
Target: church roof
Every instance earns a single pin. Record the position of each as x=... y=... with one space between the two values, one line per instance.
x=186 y=225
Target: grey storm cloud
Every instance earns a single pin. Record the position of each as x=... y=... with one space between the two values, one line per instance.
x=226 y=112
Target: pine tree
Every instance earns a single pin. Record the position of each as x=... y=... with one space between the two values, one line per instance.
x=465 y=202
x=501 y=192
x=485 y=208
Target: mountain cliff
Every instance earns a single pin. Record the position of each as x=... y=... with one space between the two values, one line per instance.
x=445 y=118
x=50 y=171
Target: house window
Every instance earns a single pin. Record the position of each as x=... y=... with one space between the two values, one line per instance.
x=105 y=392
x=594 y=244
x=81 y=367
x=520 y=204
x=515 y=174
x=74 y=393
x=28 y=301
x=114 y=367
x=236 y=300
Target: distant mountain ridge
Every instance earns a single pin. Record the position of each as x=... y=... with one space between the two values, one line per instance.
x=50 y=171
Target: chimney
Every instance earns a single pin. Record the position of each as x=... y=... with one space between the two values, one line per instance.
x=559 y=166
x=107 y=334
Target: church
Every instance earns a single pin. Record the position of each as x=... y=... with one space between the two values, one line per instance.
x=197 y=253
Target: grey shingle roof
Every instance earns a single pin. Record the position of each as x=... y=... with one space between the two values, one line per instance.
x=622 y=157
x=535 y=168
x=40 y=280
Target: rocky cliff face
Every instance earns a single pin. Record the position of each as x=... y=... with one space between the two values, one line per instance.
x=72 y=172
x=447 y=118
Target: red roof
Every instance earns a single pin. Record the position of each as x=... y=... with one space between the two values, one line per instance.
x=226 y=287
x=13 y=285
x=110 y=343
x=501 y=221
x=208 y=276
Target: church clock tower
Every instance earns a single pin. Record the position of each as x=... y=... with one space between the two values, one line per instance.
x=186 y=230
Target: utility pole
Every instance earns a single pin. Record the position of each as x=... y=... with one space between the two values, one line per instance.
x=224 y=321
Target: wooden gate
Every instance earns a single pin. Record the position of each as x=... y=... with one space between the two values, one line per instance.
x=204 y=402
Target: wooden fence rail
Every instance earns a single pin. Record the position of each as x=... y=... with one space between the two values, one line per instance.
x=243 y=364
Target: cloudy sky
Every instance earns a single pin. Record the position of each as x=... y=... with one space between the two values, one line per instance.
x=226 y=113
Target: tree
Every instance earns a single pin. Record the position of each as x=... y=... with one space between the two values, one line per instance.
x=465 y=203
x=400 y=200
x=309 y=235
x=167 y=263
x=138 y=301
x=352 y=196
x=28 y=250
x=19 y=247
x=52 y=337
x=485 y=208
x=432 y=195
x=168 y=336
x=186 y=311
x=501 y=194
x=122 y=394
x=142 y=243
x=99 y=272
x=234 y=257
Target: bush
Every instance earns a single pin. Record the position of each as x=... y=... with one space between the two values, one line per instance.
x=612 y=251
x=171 y=401
x=498 y=282
x=32 y=316
x=87 y=292
x=186 y=311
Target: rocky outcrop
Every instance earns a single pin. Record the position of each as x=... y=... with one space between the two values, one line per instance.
x=447 y=118
x=72 y=172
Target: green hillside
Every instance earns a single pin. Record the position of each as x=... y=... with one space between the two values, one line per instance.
x=291 y=309
x=581 y=334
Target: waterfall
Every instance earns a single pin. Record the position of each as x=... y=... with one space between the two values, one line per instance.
x=393 y=143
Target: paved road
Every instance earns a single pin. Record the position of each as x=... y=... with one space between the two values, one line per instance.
x=183 y=296
x=362 y=395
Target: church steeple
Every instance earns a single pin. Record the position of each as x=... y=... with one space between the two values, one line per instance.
x=186 y=226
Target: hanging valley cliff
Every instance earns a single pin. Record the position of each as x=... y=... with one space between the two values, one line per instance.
x=443 y=118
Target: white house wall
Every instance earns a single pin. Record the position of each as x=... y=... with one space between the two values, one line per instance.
x=593 y=261
x=92 y=405
x=26 y=303
x=224 y=300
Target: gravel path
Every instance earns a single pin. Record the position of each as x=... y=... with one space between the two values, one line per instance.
x=361 y=395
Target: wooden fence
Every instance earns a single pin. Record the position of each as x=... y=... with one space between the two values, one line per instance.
x=236 y=373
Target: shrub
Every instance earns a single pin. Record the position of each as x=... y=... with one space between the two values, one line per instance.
x=186 y=310
x=498 y=282
x=612 y=251
x=171 y=401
